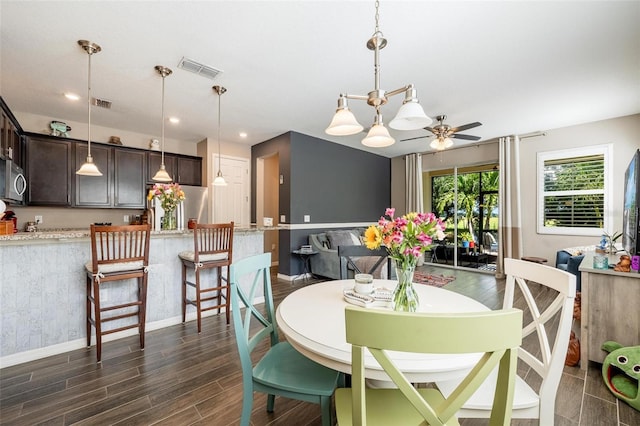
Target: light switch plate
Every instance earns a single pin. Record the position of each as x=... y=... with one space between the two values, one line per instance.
x=283 y=218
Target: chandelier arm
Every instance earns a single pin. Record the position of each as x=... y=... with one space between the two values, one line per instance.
x=358 y=97
x=400 y=90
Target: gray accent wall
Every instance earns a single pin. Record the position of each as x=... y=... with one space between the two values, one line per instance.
x=331 y=183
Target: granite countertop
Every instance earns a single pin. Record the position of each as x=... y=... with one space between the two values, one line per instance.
x=69 y=234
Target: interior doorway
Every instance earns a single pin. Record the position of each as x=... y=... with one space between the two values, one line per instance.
x=231 y=202
x=267 y=200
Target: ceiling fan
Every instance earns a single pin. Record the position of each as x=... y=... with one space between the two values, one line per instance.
x=444 y=133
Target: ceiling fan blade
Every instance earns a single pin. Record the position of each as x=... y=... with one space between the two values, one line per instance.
x=429 y=129
x=411 y=139
x=466 y=137
x=466 y=127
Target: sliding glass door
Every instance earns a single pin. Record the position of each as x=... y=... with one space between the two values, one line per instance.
x=467 y=199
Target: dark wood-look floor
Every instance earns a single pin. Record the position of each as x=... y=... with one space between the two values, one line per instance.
x=183 y=378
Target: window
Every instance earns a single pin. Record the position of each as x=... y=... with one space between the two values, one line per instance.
x=573 y=191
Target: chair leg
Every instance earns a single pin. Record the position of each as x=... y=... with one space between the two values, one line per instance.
x=227 y=297
x=184 y=293
x=247 y=406
x=142 y=310
x=89 y=280
x=97 y=318
x=271 y=403
x=198 y=302
x=219 y=279
x=325 y=408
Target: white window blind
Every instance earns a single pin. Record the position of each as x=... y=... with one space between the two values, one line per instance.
x=572 y=191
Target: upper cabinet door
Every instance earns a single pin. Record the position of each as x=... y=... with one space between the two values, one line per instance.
x=129 y=178
x=94 y=191
x=154 y=159
x=190 y=171
x=49 y=165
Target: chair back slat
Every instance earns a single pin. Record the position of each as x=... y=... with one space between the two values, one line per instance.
x=119 y=244
x=213 y=238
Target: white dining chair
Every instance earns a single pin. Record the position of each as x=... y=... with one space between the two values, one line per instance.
x=542 y=353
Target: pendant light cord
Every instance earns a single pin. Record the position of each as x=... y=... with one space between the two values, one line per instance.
x=89 y=107
x=219 y=121
x=162 y=158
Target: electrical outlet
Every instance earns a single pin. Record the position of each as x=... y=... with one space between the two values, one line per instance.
x=307 y=218
x=283 y=218
x=125 y=218
x=38 y=220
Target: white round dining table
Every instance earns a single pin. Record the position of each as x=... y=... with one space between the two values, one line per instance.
x=312 y=319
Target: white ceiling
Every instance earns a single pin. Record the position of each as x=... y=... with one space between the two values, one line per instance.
x=515 y=66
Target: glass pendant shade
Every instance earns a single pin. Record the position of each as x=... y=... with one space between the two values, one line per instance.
x=89 y=168
x=378 y=137
x=440 y=144
x=344 y=123
x=162 y=175
x=410 y=116
x=219 y=180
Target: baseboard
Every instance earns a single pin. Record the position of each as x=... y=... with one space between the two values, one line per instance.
x=72 y=345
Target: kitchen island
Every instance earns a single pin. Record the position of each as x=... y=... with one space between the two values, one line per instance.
x=42 y=291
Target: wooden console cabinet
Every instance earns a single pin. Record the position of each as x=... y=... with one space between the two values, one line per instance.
x=610 y=309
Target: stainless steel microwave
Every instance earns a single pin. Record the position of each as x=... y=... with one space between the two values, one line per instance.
x=13 y=184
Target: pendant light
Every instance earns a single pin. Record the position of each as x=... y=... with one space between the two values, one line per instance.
x=162 y=175
x=219 y=180
x=89 y=168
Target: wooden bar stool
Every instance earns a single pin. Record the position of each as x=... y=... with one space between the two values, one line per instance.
x=117 y=253
x=212 y=248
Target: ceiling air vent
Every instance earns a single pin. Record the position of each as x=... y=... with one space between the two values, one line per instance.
x=102 y=103
x=198 y=68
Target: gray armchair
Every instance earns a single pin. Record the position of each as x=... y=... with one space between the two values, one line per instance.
x=570 y=263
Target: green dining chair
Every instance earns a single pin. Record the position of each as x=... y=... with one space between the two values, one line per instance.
x=494 y=335
x=282 y=370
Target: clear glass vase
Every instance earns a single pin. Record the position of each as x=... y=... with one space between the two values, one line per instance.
x=169 y=221
x=405 y=297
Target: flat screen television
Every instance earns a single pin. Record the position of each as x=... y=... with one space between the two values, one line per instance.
x=631 y=212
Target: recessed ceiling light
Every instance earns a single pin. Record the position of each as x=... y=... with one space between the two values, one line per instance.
x=72 y=96
x=174 y=120
x=243 y=134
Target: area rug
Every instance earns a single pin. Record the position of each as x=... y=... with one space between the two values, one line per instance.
x=432 y=279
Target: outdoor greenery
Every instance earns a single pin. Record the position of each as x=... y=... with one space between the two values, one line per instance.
x=471 y=188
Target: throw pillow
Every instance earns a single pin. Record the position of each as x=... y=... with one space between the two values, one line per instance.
x=342 y=238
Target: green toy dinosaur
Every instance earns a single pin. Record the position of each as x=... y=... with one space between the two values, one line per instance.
x=621 y=372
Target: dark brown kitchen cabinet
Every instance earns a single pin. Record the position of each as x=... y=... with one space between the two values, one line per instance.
x=129 y=178
x=11 y=141
x=184 y=169
x=49 y=171
x=94 y=191
x=122 y=184
x=154 y=159
x=190 y=171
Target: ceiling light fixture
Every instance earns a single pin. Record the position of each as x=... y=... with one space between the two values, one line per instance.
x=411 y=116
x=441 y=143
x=162 y=175
x=219 y=180
x=89 y=168
x=72 y=96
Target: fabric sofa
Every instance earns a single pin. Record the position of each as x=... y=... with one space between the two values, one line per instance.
x=327 y=262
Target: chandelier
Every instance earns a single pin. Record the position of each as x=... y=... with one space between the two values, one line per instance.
x=410 y=116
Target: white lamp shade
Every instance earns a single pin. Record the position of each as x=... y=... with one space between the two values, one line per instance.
x=410 y=116
x=378 y=137
x=89 y=168
x=343 y=123
x=441 y=144
x=162 y=175
x=219 y=180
